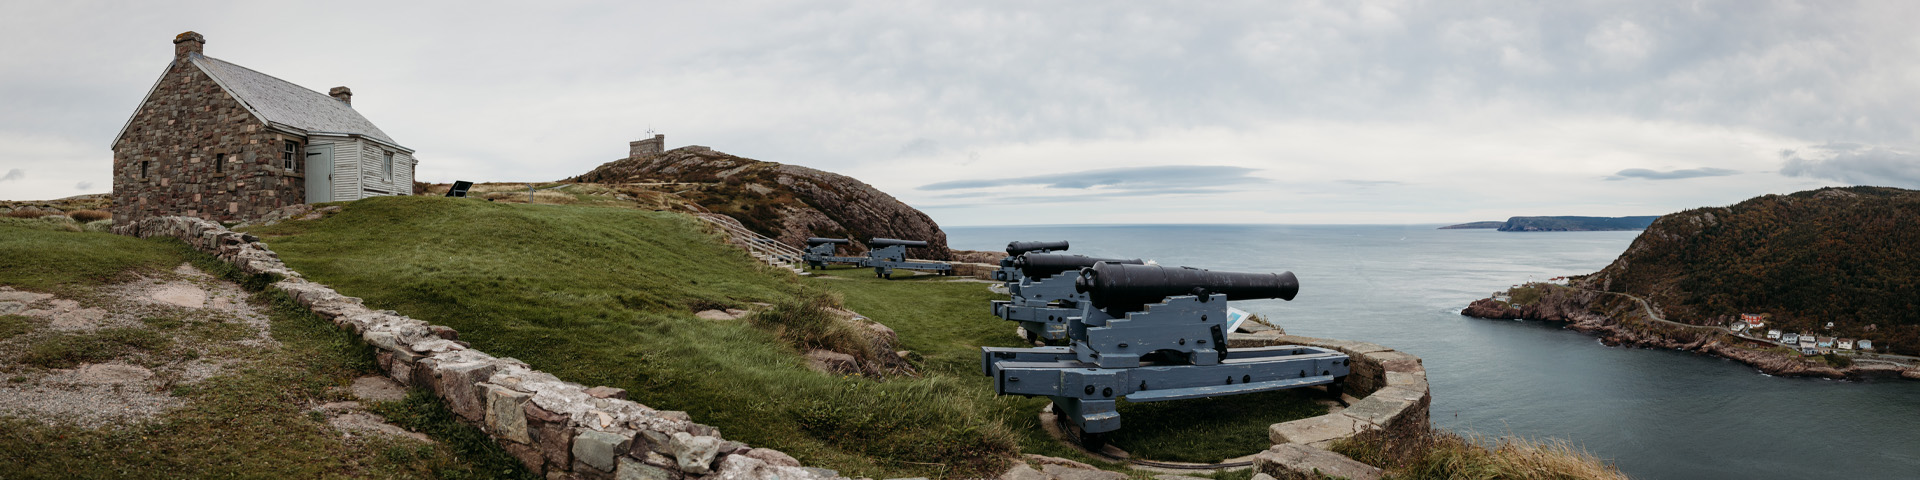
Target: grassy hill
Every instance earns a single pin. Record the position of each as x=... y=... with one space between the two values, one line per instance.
x=606 y=296
x=1841 y=255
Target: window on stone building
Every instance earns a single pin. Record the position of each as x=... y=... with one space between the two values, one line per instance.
x=143 y=169
x=219 y=163
x=389 y=166
x=290 y=156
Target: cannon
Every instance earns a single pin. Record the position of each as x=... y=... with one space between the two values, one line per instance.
x=820 y=252
x=1042 y=297
x=886 y=254
x=1152 y=333
x=1007 y=273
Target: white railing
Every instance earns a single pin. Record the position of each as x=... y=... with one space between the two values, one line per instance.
x=774 y=252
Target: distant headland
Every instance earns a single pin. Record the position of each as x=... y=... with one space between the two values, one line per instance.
x=1562 y=224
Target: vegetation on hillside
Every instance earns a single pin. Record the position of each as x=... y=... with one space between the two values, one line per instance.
x=252 y=421
x=606 y=296
x=1841 y=255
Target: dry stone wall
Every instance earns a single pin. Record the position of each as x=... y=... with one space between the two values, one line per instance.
x=558 y=429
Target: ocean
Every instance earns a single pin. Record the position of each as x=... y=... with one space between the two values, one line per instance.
x=1655 y=413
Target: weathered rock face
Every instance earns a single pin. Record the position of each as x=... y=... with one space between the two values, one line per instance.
x=786 y=202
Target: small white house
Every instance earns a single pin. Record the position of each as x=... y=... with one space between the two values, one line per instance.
x=1864 y=344
x=1823 y=342
x=1790 y=338
x=1843 y=344
x=1738 y=327
x=1807 y=340
x=1773 y=334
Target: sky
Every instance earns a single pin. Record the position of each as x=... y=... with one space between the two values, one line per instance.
x=1019 y=112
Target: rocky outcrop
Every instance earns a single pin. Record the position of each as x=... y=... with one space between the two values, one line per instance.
x=786 y=202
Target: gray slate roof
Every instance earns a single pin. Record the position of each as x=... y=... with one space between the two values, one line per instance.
x=284 y=103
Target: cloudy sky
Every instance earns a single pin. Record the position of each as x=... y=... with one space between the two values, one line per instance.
x=984 y=113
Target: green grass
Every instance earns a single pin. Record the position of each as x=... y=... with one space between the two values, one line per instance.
x=947 y=322
x=251 y=422
x=66 y=350
x=1212 y=429
x=37 y=258
x=605 y=296
x=14 y=325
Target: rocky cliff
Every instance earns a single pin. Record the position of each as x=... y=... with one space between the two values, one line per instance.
x=786 y=202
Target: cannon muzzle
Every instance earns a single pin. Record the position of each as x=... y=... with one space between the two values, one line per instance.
x=1040 y=265
x=1015 y=249
x=835 y=241
x=888 y=242
x=1123 y=287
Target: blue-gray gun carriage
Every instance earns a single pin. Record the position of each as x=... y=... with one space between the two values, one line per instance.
x=887 y=254
x=1153 y=333
x=1007 y=272
x=1044 y=298
x=820 y=252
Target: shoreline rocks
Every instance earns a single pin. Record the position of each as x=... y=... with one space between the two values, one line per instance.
x=1578 y=309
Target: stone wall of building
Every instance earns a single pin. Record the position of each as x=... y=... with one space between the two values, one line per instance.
x=651 y=146
x=558 y=429
x=164 y=164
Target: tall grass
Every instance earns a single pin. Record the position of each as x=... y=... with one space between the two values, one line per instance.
x=1440 y=455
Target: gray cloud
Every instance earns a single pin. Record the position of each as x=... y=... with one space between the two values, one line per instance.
x=1672 y=174
x=1161 y=180
x=1372 y=183
x=1853 y=163
x=14 y=174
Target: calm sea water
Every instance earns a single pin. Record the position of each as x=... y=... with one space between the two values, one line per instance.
x=1654 y=413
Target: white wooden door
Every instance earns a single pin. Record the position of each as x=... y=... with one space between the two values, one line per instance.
x=319 y=173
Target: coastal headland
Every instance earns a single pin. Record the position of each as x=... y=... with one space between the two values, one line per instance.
x=1624 y=320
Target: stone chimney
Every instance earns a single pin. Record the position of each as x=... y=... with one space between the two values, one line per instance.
x=188 y=43
x=343 y=94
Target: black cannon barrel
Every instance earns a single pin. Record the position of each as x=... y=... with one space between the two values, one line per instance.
x=1040 y=265
x=835 y=241
x=888 y=242
x=1015 y=249
x=1127 y=287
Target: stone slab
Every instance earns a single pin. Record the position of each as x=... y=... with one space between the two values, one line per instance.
x=599 y=449
x=505 y=418
x=1323 y=429
x=1300 y=461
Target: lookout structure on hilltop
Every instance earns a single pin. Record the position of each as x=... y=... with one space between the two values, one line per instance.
x=220 y=141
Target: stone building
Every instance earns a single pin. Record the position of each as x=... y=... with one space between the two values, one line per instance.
x=222 y=142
